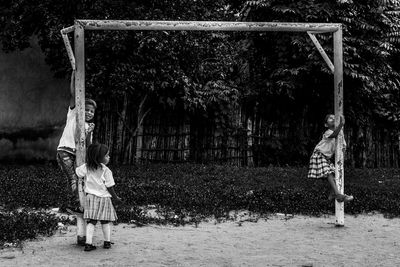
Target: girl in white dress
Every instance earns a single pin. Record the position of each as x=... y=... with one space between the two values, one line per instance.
x=99 y=189
x=321 y=166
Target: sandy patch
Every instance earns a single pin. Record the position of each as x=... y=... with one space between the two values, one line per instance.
x=367 y=240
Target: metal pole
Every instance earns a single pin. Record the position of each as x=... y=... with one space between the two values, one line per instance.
x=338 y=80
x=80 y=101
x=152 y=25
x=321 y=51
x=68 y=47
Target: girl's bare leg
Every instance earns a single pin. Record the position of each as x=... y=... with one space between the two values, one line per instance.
x=337 y=195
x=331 y=180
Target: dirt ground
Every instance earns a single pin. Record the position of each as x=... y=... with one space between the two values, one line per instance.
x=366 y=240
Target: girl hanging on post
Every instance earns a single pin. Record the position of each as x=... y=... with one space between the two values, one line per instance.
x=66 y=157
x=321 y=166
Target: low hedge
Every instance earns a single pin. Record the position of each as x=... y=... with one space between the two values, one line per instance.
x=204 y=190
x=214 y=190
x=188 y=193
x=18 y=225
x=35 y=186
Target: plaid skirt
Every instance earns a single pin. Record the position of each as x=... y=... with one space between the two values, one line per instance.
x=99 y=208
x=320 y=166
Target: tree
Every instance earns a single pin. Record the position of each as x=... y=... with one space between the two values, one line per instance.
x=371 y=43
x=129 y=72
x=276 y=78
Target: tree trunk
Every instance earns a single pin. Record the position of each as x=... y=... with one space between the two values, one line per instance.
x=120 y=130
x=141 y=114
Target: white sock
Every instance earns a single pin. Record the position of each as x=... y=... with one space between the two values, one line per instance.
x=106 y=231
x=80 y=226
x=89 y=233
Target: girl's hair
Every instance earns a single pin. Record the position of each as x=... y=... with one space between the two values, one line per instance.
x=95 y=155
x=327 y=117
x=89 y=101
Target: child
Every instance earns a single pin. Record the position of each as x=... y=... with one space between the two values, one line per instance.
x=66 y=157
x=320 y=162
x=99 y=188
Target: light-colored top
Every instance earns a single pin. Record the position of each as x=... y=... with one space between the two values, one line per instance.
x=96 y=182
x=68 y=136
x=327 y=145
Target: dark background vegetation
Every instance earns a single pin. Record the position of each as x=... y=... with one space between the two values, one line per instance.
x=217 y=84
x=223 y=89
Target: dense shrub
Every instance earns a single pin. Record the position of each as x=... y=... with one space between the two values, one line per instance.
x=196 y=191
x=21 y=224
x=214 y=190
x=36 y=186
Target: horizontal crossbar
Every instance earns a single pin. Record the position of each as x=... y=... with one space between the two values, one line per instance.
x=152 y=25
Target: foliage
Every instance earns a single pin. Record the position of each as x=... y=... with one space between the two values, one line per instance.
x=19 y=225
x=216 y=190
x=276 y=78
x=192 y=71
x=32 y=186
x=170 y=66
x=371 y=48
x=186 y=193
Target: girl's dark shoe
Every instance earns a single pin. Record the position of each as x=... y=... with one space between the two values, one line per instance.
x=344 y=198
x=89 y=247
x=348 y=198
x=107 y=244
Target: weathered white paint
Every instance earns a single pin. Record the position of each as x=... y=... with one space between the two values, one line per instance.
x=68 y=47
x=321 y=51
x=339 y=163
x=153 y=25
x=80 y=101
